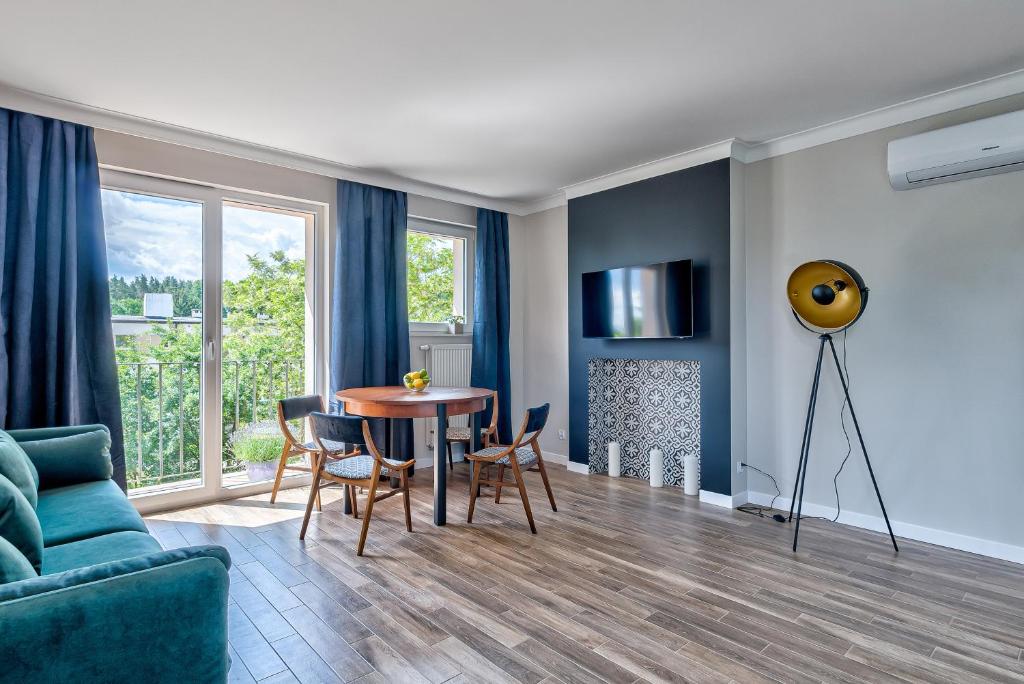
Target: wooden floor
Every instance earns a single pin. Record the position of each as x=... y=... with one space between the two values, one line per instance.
x=623 y=584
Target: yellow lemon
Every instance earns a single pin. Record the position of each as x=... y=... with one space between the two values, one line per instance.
x=418 y=384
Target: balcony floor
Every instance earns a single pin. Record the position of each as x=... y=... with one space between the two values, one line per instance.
x=625 y=583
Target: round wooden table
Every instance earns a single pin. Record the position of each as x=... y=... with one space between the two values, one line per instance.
x=399 y=402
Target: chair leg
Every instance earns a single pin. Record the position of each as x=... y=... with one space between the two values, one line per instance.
x=314 y=493
x=451 y=464
x=497 y=487
x=522 y=495
x=351 y=491
x=366 y=514
x=405 y=499
x=547 y=485
x=473 y=490
x=280 y=472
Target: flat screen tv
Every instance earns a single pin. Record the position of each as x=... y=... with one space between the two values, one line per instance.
x=639 y=301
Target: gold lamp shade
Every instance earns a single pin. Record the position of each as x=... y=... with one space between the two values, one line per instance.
x=826 y=296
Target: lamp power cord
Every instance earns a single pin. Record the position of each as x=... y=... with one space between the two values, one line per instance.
x=768 y=511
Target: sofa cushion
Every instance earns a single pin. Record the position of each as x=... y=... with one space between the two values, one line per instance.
x=95 y=550
x=13 y=564
x=16 y=466
x=63 y=461
x=85 y=510
x=19 y=524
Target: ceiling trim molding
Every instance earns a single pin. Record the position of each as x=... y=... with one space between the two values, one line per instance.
x=67 y=110
x=967 y=95
x=553 y=200
x=676 y=162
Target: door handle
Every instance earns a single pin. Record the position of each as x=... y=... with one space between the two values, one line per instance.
x=211 y=351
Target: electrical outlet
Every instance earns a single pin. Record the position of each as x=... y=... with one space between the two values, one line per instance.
x=561 y=435
x=739 y=468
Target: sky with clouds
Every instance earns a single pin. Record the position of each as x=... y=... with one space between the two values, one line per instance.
x=162 y=237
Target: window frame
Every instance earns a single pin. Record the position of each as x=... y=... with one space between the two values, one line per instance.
x=467 y=233
x=213 y=198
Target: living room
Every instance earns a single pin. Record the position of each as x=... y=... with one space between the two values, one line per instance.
x=684 y=333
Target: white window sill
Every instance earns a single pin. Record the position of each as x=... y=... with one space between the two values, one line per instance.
x=433 y=333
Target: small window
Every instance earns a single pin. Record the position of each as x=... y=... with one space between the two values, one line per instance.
x=436 y=278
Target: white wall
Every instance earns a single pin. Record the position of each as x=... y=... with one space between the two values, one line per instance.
x=540 y=272
x=936 y=363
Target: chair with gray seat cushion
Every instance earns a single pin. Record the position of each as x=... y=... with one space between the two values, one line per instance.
x=347 y=455
x=488 y=435
x=292 y=409
x=522 y=455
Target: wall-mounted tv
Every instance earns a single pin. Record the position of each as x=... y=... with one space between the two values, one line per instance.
x=639 y=301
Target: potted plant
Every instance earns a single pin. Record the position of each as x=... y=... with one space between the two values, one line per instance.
x=259 y=447
x=454 y=322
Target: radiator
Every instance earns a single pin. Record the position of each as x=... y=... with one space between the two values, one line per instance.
x=449 y=365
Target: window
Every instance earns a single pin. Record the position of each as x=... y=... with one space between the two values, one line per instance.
x=217 y=301
x=437 y=277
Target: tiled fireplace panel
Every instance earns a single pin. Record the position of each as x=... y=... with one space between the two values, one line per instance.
x=643 y=404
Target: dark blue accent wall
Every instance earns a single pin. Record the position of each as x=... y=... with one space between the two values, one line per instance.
x=681 y=215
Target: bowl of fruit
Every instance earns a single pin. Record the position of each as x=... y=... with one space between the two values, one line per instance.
x=417 y=381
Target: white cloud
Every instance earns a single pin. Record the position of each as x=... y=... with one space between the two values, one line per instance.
x=163 y=237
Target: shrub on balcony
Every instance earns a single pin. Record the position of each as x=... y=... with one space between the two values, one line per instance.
x=257 y=443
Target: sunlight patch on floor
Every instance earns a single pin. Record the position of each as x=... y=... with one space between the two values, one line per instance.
x=252 y=511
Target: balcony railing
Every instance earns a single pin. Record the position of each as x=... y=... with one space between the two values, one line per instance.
x=161 y=410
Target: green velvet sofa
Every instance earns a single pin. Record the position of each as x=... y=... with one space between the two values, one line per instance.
x=86 y=594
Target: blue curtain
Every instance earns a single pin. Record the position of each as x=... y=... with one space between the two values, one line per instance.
x=490 y=314
x=369 y=310
x=56 y=343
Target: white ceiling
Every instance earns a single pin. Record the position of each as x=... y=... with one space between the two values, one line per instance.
x=510 y=100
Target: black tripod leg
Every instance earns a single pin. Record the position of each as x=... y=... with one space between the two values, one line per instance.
x=810 y=428
x=803 y=451
x=856 y=425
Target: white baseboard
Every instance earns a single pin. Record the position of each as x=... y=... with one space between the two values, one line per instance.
x=552 y=457
x=929 y=535
x=723 y=500
x=574 y=467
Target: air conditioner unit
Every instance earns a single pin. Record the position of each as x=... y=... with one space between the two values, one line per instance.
x=979 y=148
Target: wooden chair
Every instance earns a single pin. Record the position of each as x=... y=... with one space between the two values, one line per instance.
x=359 y=467
x=295 y=408
x=488 y=435
x=522 y=455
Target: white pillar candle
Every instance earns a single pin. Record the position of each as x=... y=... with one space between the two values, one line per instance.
x=691 y=475
x=657 y=468
x=614 y=459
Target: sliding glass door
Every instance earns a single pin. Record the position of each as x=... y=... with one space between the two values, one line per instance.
x=217 y=303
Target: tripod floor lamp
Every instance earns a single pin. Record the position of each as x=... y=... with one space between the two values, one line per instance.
x=827 y=297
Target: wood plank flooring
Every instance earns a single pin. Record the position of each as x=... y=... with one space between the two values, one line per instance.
x=623 y=584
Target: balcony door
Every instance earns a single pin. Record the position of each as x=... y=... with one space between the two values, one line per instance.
x=217 y=303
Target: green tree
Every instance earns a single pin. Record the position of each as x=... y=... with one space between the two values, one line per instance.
x=126 y=296
x=431 y=278
x=159 y=373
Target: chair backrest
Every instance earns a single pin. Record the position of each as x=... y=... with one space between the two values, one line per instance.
x=533 y=422
x=494 y=413
x=296 y=408
x=330 y=431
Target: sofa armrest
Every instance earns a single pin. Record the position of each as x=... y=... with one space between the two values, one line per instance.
x=160 y=617
x=67 y=455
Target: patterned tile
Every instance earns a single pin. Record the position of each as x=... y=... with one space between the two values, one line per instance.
x=643 y=404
